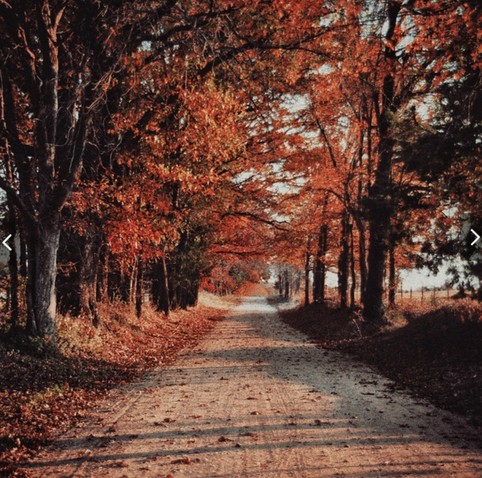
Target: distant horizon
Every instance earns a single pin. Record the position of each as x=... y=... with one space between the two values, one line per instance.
x=413 y=279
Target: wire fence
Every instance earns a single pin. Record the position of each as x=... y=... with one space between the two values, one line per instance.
x=423 y=295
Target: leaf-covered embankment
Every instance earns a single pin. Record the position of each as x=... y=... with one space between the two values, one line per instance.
x=434 y=353
x=40 y=396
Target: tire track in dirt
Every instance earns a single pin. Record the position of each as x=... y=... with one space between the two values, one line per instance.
x=258 y=399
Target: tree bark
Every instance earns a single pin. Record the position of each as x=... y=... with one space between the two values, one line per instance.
x=360 y=224
x=133 y=282
x=42 y=269
x=125 y=285
x=352 y=269
x=343 y=263
x=13 y=269
x=139 y=288
x=392 y=279
x=23 y=251
x=373 y=307
x=13 y=301
x=286 y=280
x=88 y=279
x=280 y=284
x=317 y=279
x=319 y=272
x=362 y=258
x=380 y=209
x=307 y=276
x=103 y=277
x=163 y=303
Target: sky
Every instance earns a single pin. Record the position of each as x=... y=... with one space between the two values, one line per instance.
x=413 y=279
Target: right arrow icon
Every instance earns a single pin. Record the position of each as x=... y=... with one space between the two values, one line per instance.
x=477 y=237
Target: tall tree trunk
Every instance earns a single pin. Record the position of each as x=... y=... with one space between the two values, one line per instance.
x=360 y=224
x=77 y=285
x=125 y=285
x=319 y=272
x=43 y=245
x=133 y=282
x=286 y=279
x=380 y=209
x=13 y=301
x=103 y=275
x=163 y=302
x=343 y=263
x=31 y=325
x=307 y=276
x=392 y=279
x=322 y=282
x=139 y=288
x=317 y=279
x=13 y=268
x=352 y=269
x=193 y=295
x=23 y=251
x=362 y=258
x=280 y=284
x=373 y=307
x=88 y=266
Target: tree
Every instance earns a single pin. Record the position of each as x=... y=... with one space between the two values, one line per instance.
x=72 y=59
x=64 y=60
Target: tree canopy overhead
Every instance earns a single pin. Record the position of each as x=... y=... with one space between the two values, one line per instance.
x=148 y=145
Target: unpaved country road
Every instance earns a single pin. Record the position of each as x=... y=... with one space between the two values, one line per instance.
x=257 y=399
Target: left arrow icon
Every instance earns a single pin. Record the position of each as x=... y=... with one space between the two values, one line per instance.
x=4 y=242
x=477 y=237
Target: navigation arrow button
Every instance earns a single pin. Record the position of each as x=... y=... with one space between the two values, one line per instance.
x=4 y=242
x=477 y=238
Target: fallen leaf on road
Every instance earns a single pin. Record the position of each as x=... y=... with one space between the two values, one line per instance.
x=185 y=461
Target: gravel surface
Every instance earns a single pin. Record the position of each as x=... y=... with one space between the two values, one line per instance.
x=258 y=399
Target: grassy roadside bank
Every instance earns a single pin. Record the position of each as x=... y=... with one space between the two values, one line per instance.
x=434 y=353
x=42 y=395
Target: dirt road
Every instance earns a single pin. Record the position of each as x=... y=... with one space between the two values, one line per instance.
x=257 y=399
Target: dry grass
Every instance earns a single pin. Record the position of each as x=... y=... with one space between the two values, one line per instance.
x=42 y=395
x=253 y=289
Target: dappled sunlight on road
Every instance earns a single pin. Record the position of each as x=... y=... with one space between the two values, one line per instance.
x=257 y=399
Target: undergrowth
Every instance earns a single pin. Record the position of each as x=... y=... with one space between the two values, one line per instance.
x=42 y=393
